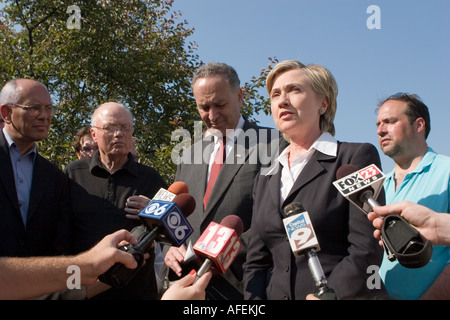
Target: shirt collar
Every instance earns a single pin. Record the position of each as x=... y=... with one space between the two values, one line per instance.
x=12 y=144
x=426 y=161
x=236 y=132
x=96 y=165
x=325 y=144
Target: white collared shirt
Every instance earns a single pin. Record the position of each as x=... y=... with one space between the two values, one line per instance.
x=230 y=138
x=326 y=144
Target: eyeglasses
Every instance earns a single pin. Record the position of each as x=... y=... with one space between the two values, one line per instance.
x=35 y=109
x=111 y=128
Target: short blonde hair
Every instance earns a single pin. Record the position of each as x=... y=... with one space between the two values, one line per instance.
x=323 y=84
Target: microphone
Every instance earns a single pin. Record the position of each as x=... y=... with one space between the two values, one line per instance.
x=303 y=241
x=400 y=240
x=167 y=223
x=178 y=187
x=219 y=244
x=360 y=187
x=175 y=188
x=167 y=219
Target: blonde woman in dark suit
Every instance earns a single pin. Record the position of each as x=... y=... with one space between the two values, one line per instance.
x=303 y=103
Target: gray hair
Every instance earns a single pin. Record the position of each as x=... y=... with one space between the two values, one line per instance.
x=9 y=94
x=213 y=69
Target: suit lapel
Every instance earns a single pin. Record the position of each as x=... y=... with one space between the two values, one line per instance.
x=7 y=173
x=41 y=179
x=312 y=169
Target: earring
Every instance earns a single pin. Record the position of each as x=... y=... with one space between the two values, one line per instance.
x=321 y=111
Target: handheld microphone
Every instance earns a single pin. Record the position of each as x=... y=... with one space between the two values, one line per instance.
x=303 y=241
x=167 y=219
x=400 y=240
x=219 y=244
x=166 y=223
x=360 y=187
x=178 y=187
x=175 y=189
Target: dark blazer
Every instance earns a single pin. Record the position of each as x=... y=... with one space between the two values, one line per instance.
x=232 y=193
x=344 y=233
x=47 y=229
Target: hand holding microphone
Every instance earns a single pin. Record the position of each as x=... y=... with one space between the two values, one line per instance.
x=432 y=225
x=400 y=240
x=136 y=204
x=163 y=221
x=303 y=241
x=219 y=244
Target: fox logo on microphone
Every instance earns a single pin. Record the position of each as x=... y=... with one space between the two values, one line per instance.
x=351 y=185
x=168 y=215
x=358 y=179
x=300 y=233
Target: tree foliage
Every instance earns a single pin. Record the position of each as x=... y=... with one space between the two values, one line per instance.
x=130 y=51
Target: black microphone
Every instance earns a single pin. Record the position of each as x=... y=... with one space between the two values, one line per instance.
x=303 y=241
x=163 y=221
x=400 y=240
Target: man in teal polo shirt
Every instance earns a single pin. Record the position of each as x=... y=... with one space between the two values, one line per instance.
x=421 y=176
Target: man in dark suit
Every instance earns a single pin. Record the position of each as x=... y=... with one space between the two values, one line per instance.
x=247 y=148
x=34 y=200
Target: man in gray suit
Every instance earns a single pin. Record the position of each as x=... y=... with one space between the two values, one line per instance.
x=248 y=148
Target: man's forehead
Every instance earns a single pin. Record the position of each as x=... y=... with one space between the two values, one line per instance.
x=393 y=107
x=32 y=91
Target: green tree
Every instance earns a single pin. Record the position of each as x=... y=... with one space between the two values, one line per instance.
x=131 y=51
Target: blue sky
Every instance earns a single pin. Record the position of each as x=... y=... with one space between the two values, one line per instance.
x=409 y=53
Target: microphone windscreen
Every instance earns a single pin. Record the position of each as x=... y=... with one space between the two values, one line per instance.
x=345 y=170
x=293 y=208
x=186 y=203
x=178 y=187
x=233 y=222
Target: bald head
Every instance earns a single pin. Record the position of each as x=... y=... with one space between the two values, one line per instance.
x=108 y=110
x=24 y=107
x=112 y=130
x=18 y=89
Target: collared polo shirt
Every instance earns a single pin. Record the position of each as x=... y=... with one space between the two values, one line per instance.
x=428 y=185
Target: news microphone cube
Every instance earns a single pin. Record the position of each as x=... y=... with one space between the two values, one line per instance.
x=220 y=244
x=164 y=195
x=370 y=178
x=166 y=215
x=300 y=233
